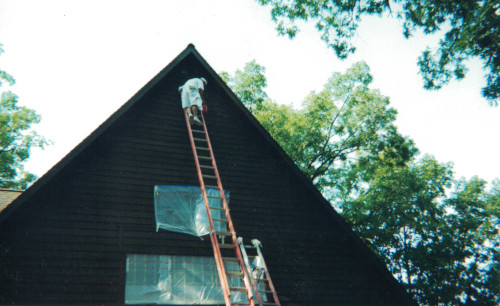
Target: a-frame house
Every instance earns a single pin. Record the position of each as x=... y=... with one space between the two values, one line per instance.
x=69 y=237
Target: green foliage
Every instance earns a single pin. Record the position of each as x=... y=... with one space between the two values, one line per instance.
x=472 y=268
x=335 y=127
x=396 y=213
x=4 y=76
x=16 y=138
x=472 y=27
x=248 y=84
x=442 y=247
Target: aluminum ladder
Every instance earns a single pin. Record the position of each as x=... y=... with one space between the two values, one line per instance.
x=208 y=176
x=259 y=274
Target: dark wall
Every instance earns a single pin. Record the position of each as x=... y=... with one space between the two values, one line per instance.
x=69 y=242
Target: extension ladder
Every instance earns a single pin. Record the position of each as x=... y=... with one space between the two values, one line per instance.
x=259 y=274
x=200 y=142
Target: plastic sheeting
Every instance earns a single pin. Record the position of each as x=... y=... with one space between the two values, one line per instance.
x=182 y=209
x=187 y=280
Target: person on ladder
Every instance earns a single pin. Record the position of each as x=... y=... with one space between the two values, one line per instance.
x=192 y=98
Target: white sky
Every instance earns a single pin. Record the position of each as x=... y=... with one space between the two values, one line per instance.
x=76 y=62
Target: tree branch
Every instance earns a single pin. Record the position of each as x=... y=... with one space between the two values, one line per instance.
x=329 y=134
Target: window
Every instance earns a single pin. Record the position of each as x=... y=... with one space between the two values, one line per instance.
x=182 y=209
x=158 y=279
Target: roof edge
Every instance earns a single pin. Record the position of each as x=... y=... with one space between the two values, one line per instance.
x=38 y=184
x=190 y=49
x=307 y=183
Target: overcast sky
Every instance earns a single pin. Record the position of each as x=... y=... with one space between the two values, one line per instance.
x=76 y=62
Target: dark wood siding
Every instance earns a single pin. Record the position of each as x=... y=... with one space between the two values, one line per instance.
x=68 y=242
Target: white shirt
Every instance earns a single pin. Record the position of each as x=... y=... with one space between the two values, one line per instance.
x=190 y=94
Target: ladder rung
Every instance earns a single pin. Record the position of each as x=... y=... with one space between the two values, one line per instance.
x=201 y=145
x=235 y=274
x=227 y=246
x=233 y=259
x=238 y=290
x=217 y=208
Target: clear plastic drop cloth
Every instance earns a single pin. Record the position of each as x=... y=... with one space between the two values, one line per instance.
x=174 y=280
x=182 y=209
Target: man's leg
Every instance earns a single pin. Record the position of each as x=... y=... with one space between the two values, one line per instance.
x=190 y=115
x=194 y=109
x=196 y=120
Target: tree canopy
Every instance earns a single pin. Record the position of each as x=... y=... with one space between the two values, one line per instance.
x=335 y=127
x=437 y=235
x=443 y=248
x=249 y=83
x=17 y=137
x=471 y=29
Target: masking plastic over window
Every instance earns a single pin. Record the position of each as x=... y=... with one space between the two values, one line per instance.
x=185 y=280
x=182 y=209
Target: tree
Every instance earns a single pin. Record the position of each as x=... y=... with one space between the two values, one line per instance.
x=249 y=85
x=396 y=212
x=16 y=137
x=334 y=128
x=441 y=247
x=472 y=30
x=471 y=229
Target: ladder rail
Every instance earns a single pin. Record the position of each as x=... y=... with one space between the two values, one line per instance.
x=219 y=183
x=246 y=279
x=257 y=245
x=215 y=244
x=247 y=265
x=219 y=260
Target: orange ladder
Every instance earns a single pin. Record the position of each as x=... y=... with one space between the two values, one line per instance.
x=200 y=143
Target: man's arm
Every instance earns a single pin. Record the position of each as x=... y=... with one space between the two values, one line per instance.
x=200 y=91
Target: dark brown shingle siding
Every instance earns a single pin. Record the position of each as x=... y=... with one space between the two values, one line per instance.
x=68 y=241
